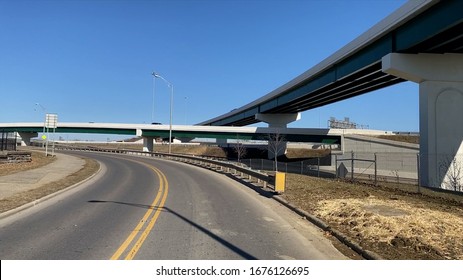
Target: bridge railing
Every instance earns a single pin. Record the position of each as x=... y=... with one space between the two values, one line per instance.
x=236 y=169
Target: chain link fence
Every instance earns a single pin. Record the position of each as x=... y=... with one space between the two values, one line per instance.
x=388 y=167
x=319 y=167
x=8 y=141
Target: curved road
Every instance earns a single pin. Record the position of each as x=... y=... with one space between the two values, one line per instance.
x=145 y=208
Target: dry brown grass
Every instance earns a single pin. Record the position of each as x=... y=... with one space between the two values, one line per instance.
x=393 y=223
x=413 y=139
x=38 y=159
x=298 y=153
x=203 y=150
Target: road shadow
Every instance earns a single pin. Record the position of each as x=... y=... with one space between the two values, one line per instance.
x=204 y=230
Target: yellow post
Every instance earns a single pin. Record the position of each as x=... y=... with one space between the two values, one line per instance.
x=280 y=182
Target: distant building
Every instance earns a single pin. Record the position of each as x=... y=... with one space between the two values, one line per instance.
x=344 y=124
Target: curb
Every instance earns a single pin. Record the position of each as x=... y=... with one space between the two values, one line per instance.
x=47 y=197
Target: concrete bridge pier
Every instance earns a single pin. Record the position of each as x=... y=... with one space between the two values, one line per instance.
x=440 y=78
x=26 y=137
x=221 y=142
x=148 y=145
x=276 y=141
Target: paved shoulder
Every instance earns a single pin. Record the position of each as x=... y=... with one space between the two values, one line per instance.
x=63 y=166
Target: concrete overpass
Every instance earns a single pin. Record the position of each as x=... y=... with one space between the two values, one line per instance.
x=150 y=132
x=419 y=26
x=420 y=42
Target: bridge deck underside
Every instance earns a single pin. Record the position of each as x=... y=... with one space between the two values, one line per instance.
x=437 y=30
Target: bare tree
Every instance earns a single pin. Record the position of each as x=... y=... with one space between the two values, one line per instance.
x=276 y=145
x=453 y=170
x=239 y=148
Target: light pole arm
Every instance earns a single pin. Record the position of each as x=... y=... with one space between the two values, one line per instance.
x=156 y=75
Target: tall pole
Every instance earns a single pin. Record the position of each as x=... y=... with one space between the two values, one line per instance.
x=152 y=108
x=156 y=75
x=170 y=125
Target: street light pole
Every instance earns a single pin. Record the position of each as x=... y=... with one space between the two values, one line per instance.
x=156 y=75
x=152 y=108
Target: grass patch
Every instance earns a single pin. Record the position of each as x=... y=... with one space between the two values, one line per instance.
x=392 y=222
x=38 y=160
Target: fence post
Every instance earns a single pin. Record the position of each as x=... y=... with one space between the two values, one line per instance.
x=418 y=171
x=376 y=172
x=1 y=146
x=336 y=165
x=352 y=167
x=318 y=169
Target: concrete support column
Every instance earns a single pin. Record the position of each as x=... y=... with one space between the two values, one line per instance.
x=440 y=77
x=277 y=145
x=148 y=145
x=26 y=137
x=221 y=142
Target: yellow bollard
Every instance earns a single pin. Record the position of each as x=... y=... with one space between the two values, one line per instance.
x=280 y=182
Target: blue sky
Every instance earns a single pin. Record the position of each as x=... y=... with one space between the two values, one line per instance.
x=91 y=61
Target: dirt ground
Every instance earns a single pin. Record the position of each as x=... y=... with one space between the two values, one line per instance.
x=394 y=221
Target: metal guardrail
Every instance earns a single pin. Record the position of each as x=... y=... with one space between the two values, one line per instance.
x=267 y=181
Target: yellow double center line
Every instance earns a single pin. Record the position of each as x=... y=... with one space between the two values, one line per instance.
x=155 y=207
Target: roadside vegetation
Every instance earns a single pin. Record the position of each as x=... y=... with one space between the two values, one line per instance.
x=394 y=221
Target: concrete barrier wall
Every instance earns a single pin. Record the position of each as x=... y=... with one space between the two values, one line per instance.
x=396 y=159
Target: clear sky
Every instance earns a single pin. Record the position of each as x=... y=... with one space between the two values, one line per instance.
x=91 y=61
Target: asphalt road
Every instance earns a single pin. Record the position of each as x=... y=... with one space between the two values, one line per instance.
x=143 y=208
